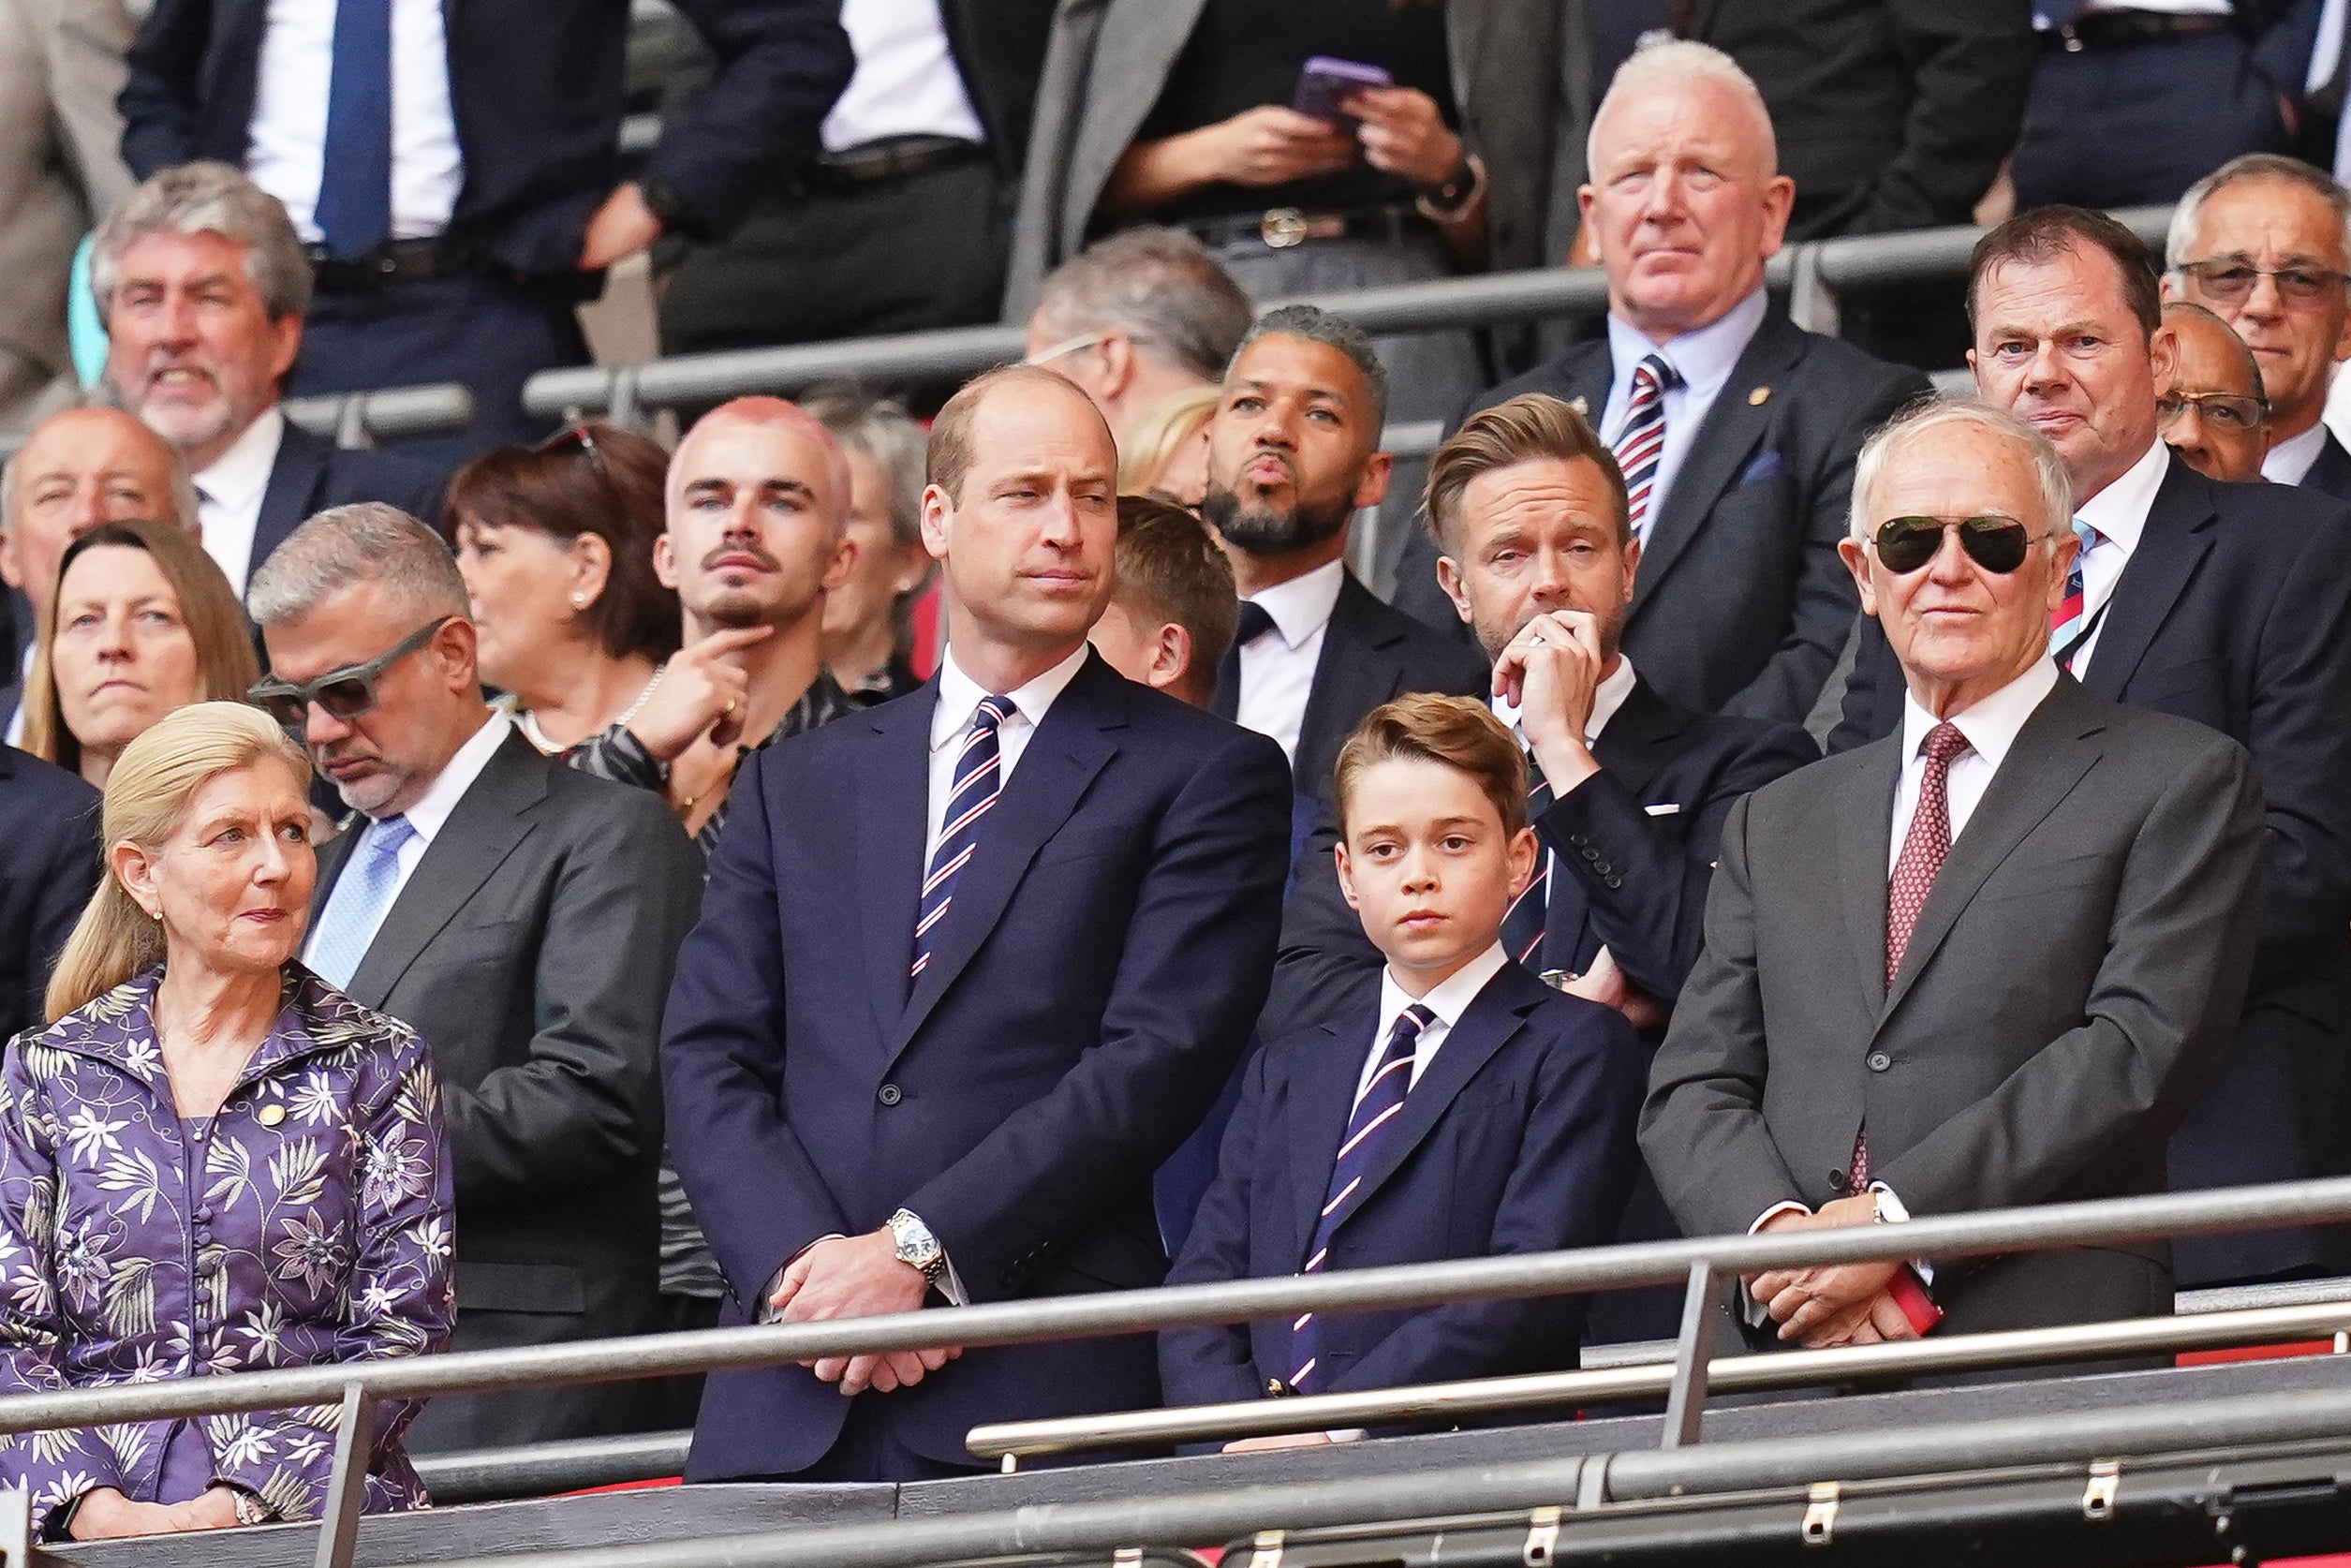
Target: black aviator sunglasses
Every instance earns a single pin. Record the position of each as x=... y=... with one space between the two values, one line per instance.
x=1996 y=543
x=344 y=694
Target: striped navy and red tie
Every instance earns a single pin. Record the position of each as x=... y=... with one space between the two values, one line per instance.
x=1375 y=1111
x=1529 y=914
x=979 y=779
x=1642 y=441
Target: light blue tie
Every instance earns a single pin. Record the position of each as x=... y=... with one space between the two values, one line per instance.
x=358 y=904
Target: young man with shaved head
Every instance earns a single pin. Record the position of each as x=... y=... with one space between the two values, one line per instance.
x=972 y=963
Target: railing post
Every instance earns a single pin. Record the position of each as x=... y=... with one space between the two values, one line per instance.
x=626 y=409
x=1811 y=303
x=347 y=1491
x=350 y=423
x=1693 y=1361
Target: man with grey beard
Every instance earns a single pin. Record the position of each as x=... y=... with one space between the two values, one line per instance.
x=1293 y=454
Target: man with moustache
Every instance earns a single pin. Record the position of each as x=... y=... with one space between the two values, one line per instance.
x=2211 y=410
x=78 y=469
x=971 y=964
x=202 y=286
x=1293 y=454
x=2223 y=603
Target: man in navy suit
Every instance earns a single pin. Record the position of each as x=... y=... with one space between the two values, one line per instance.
x=1455 y=1107
x=2223 y=603
x=49 y=868
x=969 y=967
x=204 y=290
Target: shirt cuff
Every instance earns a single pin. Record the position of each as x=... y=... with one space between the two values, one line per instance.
x=767 y=1311
x=1890 y=1209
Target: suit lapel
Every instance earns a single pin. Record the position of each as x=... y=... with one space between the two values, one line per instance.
x=1733 y=428
x=2171 y=545
x=289 y=498
x=893 y=804
x=490 y=819
x=1145 y=40
x=2052 y=752
x=1073 y=743
x=1354 y=673
x=1465 y=40
x=1323 y=1071
x=1865 y=842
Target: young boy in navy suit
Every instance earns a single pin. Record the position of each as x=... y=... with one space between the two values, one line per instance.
x=1457 y=1107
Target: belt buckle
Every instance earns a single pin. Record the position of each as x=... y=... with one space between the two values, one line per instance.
x=1281 y=228
x=2071 y=36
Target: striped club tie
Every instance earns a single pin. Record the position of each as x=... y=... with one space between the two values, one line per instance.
x=1528 y=916
x=2067 y=621
x=979 y=779
x=1374 y=1113
x=1642 y=441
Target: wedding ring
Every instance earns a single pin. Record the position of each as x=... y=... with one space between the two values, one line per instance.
x=727 y=709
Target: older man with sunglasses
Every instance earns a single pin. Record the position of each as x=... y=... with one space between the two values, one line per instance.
x=521 y=915
x=1985 y=962
x=2224 y=603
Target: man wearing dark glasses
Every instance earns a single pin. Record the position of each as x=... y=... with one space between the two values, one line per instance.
x=522 y=915
x=2264 y=243
x=2224 y=603
x=2211 y=410
x=1984 y=962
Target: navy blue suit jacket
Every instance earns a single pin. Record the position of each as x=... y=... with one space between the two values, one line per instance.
x=311 y=475
x=1517 y=1138
x=537 y=92
x=2235 y=611
x=48 y=867
x=1088 y=992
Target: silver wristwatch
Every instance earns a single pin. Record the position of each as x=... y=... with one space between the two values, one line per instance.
x=915 y=1244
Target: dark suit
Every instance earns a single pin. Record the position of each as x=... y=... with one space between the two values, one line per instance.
x=1741 y=605
x=1371 y=654
x=2233 y=611
x=532 y=947
x=311 y=475
x=2330 y=473
x=2074 y=977
x=1087 y=993
x=48 y=867
x=1516 y=1138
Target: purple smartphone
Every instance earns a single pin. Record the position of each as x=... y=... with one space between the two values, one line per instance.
x=1324 y=83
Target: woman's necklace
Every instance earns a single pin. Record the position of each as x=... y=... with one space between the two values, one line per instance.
x=529 y=722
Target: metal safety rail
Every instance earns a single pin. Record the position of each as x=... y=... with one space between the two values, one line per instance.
x=358 y=1386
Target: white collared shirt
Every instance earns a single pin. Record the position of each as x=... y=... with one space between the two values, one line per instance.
x=1448 y=1000
x=431 y=812
x=1277 y=668
x=286 y=153
x=906 y=82
x=1990 y=725
x=2119 y=513
x=228 y=497
x=15 y=735
x=2289 y=461
x=959 y=698
x=1704 y=358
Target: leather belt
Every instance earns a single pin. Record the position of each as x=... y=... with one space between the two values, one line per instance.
x=393 y=262
x=2104 y=30
x=893 y=158
x=1281 y=228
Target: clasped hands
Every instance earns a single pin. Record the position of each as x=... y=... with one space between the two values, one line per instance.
x=106 y=1513
x=858 y=1277
x=1835 y=1304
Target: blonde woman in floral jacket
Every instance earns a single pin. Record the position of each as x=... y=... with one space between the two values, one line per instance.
x=211 y=1161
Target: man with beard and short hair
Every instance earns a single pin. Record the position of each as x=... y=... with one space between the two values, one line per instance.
x=2211 y=409
x=1293 y=453
x=202 y=286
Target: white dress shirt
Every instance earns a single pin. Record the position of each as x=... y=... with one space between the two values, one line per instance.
x=1990 y=726
x=1448 y=1000
x=906 y=82
x=1704 y=358
x=287 y=153
x=2289 y=461
x=959 y=698
x=1277 y=668
x=431 y=812
x=2119 y=513
x=15 y=734
x=228 y=497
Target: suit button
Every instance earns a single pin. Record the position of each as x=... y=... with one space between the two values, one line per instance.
x=890 y=1094
x=1590 y=853
x=1601 y=866
x=1880 y=1062
x=1577 y=839
x=1836 y=1181
x=1614 y=883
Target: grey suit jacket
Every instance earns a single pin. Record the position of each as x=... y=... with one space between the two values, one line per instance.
x=532 y=948
x=2071 y=983
x=1521 y=75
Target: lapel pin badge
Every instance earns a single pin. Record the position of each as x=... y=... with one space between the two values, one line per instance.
x=1757 y=398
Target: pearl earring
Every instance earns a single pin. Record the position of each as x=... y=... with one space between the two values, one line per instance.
x=578 y=601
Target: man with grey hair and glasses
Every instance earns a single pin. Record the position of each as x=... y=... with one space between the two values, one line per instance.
x=1986 y=962
x=522 y=915
x=1137 y=318
x=202 y=286
x=2264 y=243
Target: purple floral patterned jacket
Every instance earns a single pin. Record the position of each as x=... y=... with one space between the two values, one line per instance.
x=310 y=1223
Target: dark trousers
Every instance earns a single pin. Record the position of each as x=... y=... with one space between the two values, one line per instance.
x=867 y=1451
x=896 y=256
x=489 y=334
x=2124 y=127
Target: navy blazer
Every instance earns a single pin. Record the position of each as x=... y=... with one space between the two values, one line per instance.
x=1636 y=846
x=2235 y=611
x=1517 y=1138
x=2331 y=471
x=1089 y=990
x=1741 y=604
x=311 y=475
x=48 y=867
x=537 y=92
x=1371 y=653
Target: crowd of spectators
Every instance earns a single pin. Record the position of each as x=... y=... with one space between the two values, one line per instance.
x=550 y=886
